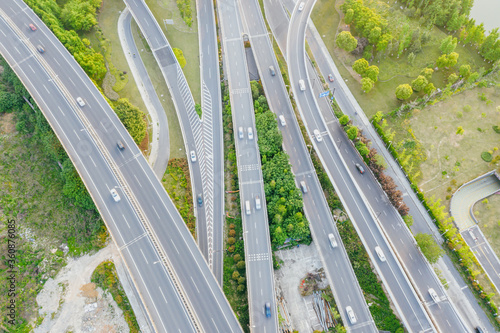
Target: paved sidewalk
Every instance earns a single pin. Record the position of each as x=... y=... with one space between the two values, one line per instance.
x=160 y=141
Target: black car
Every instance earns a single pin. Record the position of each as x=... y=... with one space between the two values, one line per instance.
x=360 y=168
x=120 y=145
x=200 y=200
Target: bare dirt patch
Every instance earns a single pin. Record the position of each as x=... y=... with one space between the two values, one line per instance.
x=69 y=302
x=7 y=123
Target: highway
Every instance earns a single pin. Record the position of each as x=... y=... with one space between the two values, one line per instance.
x=145 y=224
x=343 y=282
x=211 y=243
x=412 y=264
x=258 y=252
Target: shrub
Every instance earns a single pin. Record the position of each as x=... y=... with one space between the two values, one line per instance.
x=486 y=156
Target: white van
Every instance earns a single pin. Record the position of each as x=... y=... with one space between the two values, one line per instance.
x=247 y=207
x=302 y=85
x=257 y=203
x=282 y=120
x=350 y=314
x=317 y=134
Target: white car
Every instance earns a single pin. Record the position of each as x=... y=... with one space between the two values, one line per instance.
x=240 y=132
x=302 y=85
x=380 y=254
x=350 y=314
x=193 y=156
x=115 y=195
x=80 y=101
x=282 y=120
x=333 y=242
x=317 y=134
x=250 y=133
x=301 y=6
x=434 y=295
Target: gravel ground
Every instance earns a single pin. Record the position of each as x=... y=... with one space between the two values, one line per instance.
x=297 y=262
x=71 y=303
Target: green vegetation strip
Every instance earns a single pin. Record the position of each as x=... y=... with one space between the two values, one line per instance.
x=284 y=200
x=177 y=183
x=234 y=282
x=106 y=277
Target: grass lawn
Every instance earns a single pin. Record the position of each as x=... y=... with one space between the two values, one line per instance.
x=487 y=213
x=393 y=71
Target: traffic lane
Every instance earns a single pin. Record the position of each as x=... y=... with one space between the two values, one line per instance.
x=166 y=307
x=338 y=268
x=484 y=254
x=144 y=18
x=181 y=251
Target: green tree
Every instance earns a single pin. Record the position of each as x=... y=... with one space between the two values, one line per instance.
x=452 y=59
x=352 y=132
x=360 y=66
x=473 y=77
x=411 y=58
x=427 y=72
x=442 y=61
x=349 y=15
x=429 y=247
x=429 y=89
x=132 y=118
x=452 y=78
x=404 y=91
x=254 y=85
x=374 y=35
x=419 y=83
x=378 y=116
x=465 y=71
x=344 y=120
x=366 y=84
x=372 y=73
x=383 y=42
x=448 y=45
x=235 y=275
x=80 y=15
x=460 y=130
x=346 y=41
x=408 y=220
x=490 y=48
x=240 y=265
x=180 y=57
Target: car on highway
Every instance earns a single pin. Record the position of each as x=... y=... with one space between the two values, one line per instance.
x=193 y=156
x=302 y=85
x=257 y=203
x=32 y=27
x=248 y=210
x=434 y=295
x=40 y=48
x=80 y=101
x=479 y=329
x=350 y=314
x=360 y=168
x=301 y=6
x=303 y=186
x=282 y=120
x=317 y=134
x=272 y=71
x=333 y=241
x=250 y=133
x=240 y=132
x=267 y=309
x=115 y=195
x=200 y=200
x=120 y=145
x=330 y=77
x=380 y=253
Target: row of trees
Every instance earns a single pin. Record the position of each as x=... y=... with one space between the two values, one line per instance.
x=373 y=160
x=284 y=200
x=91 y=61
